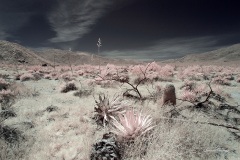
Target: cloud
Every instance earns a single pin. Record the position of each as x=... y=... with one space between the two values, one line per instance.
x=12 y=21
x=72 y=20
x=169 y=49
x=3 y=34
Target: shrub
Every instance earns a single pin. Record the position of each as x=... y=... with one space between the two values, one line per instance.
x=191 y=72
x=83 y=93
x=188 y=85
x=3 y=84
x=221 y=81
x=188 y=95
x=6 y=98
x=167 y=71
x=67 y=76
x=5 y=114
x=238 y=80
x=90 y=82
x=138 y=70
x=154 y=67
x=26 y=77
x=201 y=89
x=69 y=86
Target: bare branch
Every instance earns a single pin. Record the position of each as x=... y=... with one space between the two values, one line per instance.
x=209 y=123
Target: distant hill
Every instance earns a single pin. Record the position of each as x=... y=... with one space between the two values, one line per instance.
x=227 y=54
x=11 y=53
x=14 y=53
x=223 y=56
x=63 y=57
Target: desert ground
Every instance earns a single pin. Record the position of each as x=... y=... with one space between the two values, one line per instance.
x=151 y=112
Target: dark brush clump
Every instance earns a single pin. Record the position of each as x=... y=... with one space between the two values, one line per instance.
x=10 y=135
x=69 y=87
x=5 y=114
x=106 y=149
x=51 y=108
x=83 y=93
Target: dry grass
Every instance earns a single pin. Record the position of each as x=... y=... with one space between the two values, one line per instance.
x=69 y=131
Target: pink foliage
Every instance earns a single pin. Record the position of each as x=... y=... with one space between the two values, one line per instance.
x=80 y=72
x=191 y=72
x=167 y=71
x=67 y=76
x=65 y=68
x=221 y=81
x=6 y=94
x=137 y=70
x=217 y=89
x=201 y=89
x=189 y=96
x=188 y=85
x=26 y=77
x=154 y=67
x=89 y=69
x=3 y=84
x=107 y=83
x=238 y=80
x=159 y=88
x=152 y=76
x=132 y=124
x=52 y=75
x=34 y=68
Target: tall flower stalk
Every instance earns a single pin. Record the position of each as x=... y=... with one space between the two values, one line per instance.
x=99 y=44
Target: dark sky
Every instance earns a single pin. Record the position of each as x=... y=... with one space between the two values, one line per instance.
x=140 y=29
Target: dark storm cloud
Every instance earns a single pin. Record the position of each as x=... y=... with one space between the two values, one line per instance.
x=142 y=29
x=16 y=14
x=9 y=23
x=171 y=48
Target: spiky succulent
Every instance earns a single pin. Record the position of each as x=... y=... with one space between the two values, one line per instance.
x=106 y=149
x=132 y=124
x=106 y=110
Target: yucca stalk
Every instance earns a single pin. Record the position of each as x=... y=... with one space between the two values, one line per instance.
x=99 y=44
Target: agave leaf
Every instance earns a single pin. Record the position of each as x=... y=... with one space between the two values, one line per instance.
x=131 y=125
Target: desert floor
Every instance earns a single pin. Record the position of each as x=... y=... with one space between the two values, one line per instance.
x=47 y=124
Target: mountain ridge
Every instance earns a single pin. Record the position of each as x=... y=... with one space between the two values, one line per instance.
x=14 y=53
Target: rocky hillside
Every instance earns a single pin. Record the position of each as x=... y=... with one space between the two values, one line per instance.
x=11 y=53
x=63 y=57
x=226 y=54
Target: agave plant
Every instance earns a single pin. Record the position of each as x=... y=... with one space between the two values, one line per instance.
x=106 y=110
x=132 y=125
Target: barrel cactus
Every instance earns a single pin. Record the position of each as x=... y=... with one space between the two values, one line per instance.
x=169 y=95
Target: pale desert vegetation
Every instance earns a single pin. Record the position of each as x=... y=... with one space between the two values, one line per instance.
x=130 y=112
